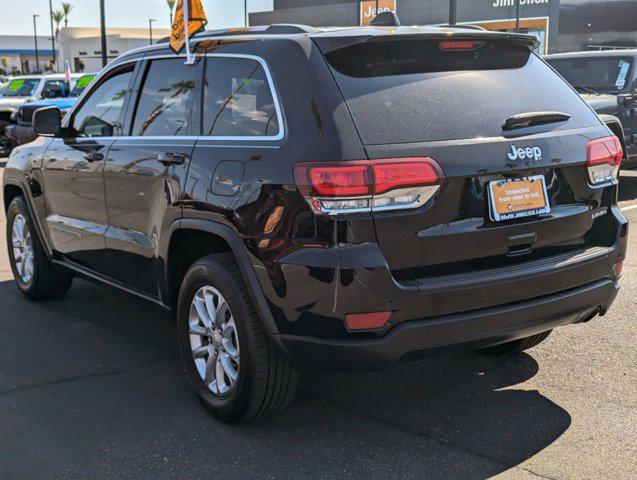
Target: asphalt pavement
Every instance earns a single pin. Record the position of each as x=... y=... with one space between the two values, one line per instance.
x=91 y=387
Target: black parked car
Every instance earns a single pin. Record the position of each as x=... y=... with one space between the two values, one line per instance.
x=607 y=80
x=345 y=199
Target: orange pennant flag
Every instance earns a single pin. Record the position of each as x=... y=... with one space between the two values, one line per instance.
x=197 y=23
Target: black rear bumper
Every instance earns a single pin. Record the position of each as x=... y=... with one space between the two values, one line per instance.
x=475 y=329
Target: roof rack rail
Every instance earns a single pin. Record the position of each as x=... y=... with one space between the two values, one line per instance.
x=274 y=29
x=464 y=27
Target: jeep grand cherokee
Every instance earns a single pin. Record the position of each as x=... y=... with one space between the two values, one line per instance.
x=326 y=198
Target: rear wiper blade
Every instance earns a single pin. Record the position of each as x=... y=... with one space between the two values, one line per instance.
x=531 y=119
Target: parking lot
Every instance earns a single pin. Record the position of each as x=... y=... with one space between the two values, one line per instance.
x=91 y=387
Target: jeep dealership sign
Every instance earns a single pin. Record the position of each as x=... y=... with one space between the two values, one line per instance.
x=511 y=3
x=368 y=9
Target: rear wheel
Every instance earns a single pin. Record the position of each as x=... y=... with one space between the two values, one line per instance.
x=35 y=275
x=236 y=371
x=518 y=346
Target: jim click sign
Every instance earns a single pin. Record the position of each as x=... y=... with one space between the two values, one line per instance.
x=368 y=9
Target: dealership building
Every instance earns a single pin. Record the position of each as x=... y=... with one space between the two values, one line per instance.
x=561 y=25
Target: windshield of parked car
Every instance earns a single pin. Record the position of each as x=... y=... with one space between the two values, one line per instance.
x=599 y=74
x=81 y=85
x=21 y=87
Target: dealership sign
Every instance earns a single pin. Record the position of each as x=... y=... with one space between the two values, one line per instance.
x=511 y=3
x=368 y=9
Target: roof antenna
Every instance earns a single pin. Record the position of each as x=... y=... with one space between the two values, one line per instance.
x=385 y=19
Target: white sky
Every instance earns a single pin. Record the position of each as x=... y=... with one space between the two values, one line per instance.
x=18 y=20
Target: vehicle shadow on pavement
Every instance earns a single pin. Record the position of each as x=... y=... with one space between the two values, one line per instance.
x=91 y=386
x=461 y=408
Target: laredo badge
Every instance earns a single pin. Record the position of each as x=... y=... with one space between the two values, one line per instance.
x=197 y=22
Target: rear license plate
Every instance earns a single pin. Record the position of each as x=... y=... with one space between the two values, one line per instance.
x=524 y=197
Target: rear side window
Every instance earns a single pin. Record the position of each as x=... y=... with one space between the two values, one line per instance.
x=403 y=91
x=165 y=106
x=238 y=99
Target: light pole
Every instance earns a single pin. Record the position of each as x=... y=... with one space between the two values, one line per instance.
x=517 y=16
x=245 y=13
x=55 y=60
x=150 y=28
x=35 y=36
x=453 y=12
x=103 y=25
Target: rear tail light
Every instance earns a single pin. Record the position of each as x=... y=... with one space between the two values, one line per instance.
x=368 y=186
x=617 y=268
x=603 y=158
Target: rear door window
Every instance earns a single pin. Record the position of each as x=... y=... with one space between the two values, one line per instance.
x=238 y=99
x=403 y=91
x=165 y=106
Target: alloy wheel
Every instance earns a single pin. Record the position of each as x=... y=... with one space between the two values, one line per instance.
x=22 y=245
x=214 y=340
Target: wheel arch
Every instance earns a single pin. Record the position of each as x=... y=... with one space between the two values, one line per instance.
x=224 y=239
x=14 y=187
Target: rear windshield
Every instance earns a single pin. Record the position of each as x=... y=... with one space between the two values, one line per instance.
x=601 y=74
x=414 y=91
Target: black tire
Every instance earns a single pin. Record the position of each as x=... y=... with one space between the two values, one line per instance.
x=266 y=382
x=518 y=346
x=6 y=146
x=48 y=281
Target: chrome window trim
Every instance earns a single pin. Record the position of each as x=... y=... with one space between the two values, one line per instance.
x=124 y=61
x=273 y=91
x=70 y=115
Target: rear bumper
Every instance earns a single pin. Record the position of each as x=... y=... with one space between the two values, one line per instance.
x=474 y=329
x=311 y=290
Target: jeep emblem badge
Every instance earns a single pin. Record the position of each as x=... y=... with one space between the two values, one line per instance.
x=530 y=153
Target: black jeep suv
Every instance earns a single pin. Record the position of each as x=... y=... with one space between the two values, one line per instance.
x=339 y=198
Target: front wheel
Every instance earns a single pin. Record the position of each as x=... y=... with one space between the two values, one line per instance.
x=36 y=277
x=236 y=371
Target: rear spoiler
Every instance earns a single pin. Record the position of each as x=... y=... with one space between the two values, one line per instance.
x=330 y=43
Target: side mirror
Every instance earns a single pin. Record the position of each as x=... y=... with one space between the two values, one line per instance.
x=47 y=122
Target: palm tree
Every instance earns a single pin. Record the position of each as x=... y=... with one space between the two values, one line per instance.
x=66 y=9
x=57 y=18
x=171 y=5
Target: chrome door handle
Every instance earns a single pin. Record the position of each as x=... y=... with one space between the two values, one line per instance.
x=93 y=156
x=171 y=159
